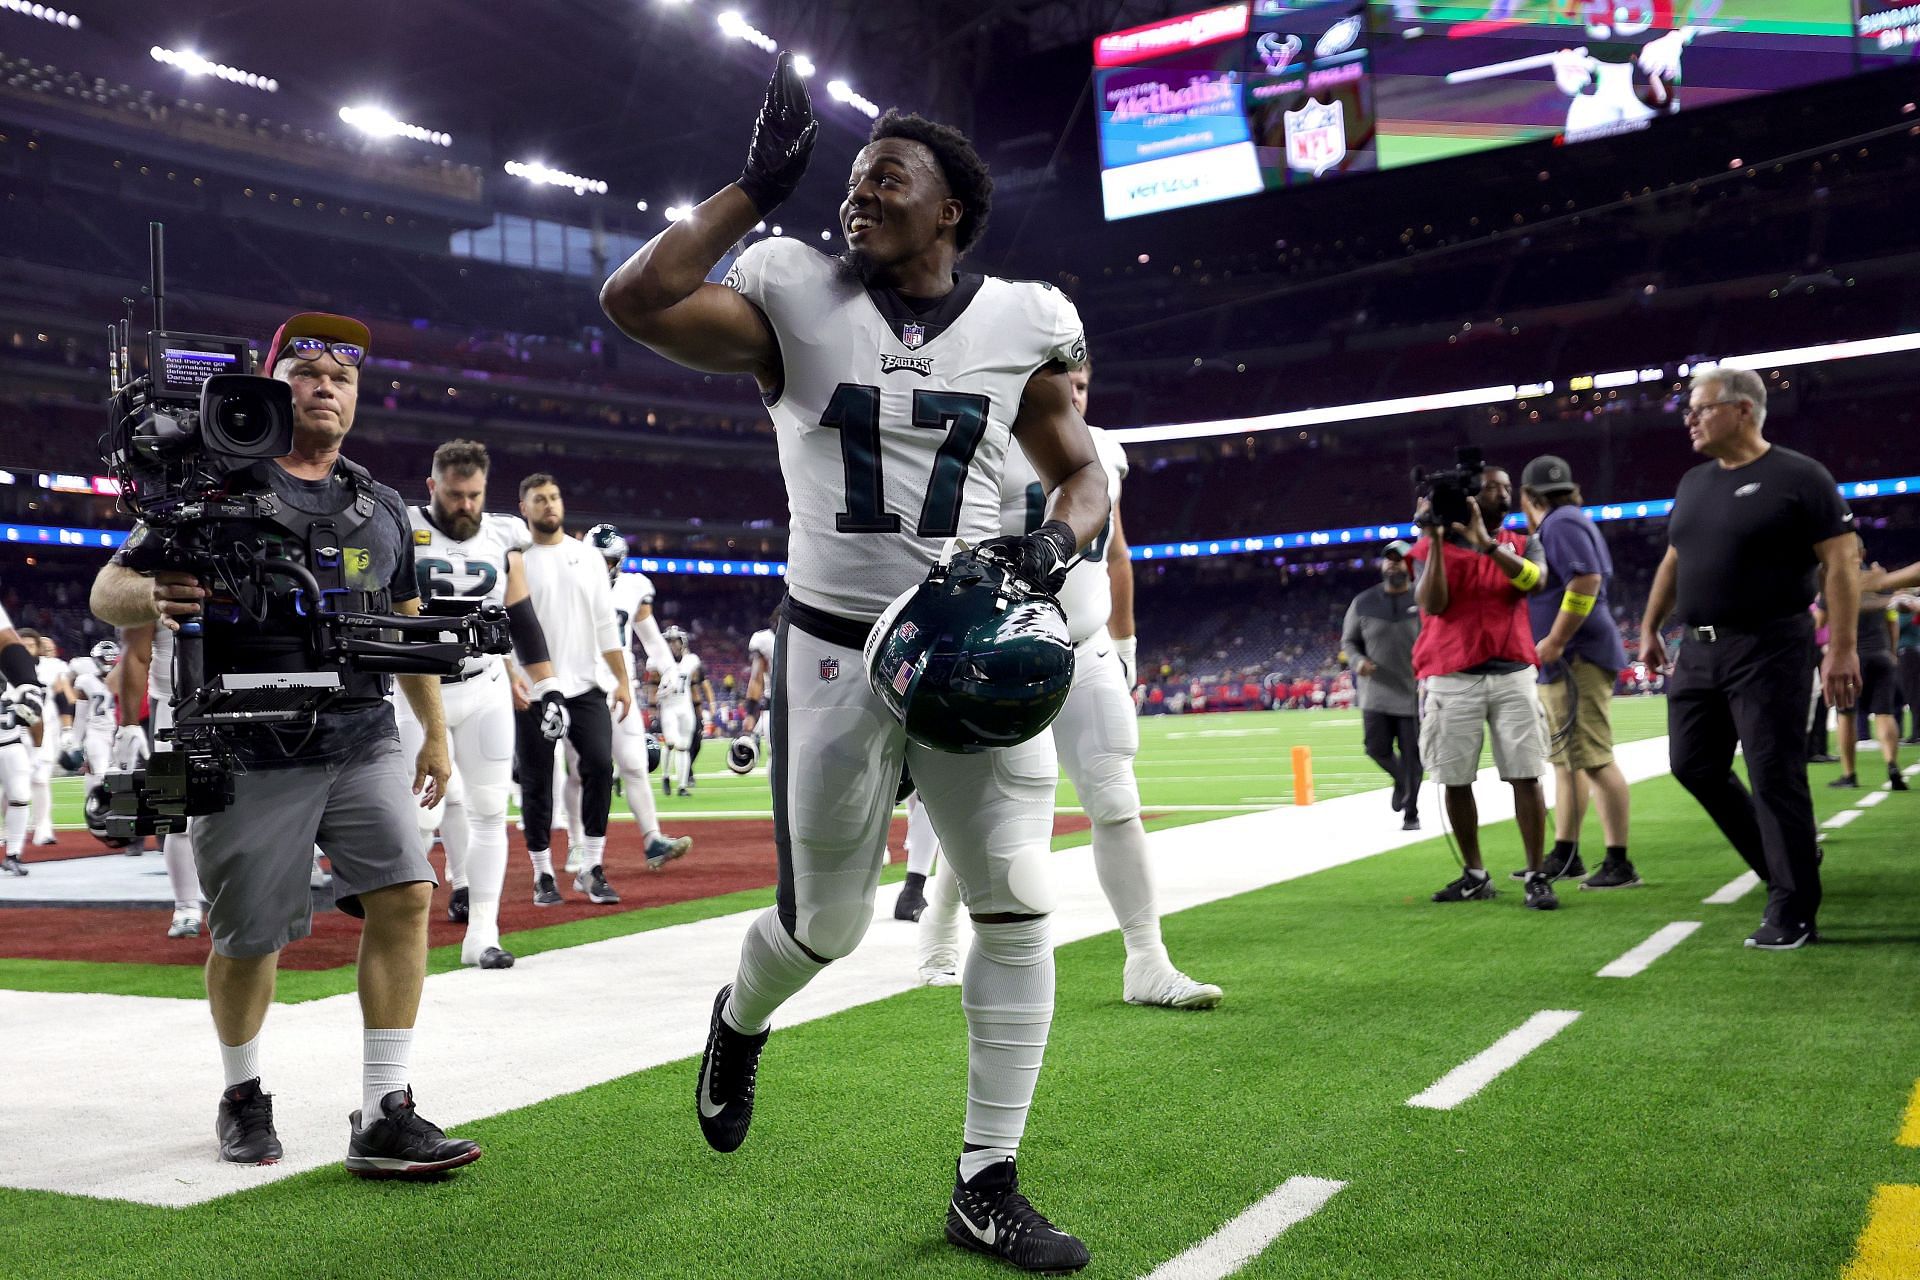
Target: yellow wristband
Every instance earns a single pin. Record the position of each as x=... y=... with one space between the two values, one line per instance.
x=1574 y=602
x=1529 y=576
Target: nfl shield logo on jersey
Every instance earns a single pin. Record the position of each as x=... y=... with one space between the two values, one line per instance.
x=912 y=335
x=829 y=668
x=1316 y=137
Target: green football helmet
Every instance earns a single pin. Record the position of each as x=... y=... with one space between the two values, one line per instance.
x=973 y=658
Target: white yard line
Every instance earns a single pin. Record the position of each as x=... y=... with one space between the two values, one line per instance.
x=555 y=1023
x=1733 y=890
x=1481 y=1070
x=1872 y=798
x=1243 y=1239
x=1635 y=961
x=1840 y=819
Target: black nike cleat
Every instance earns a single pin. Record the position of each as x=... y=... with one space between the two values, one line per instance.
x=989 y=1215
x=1540 y=894
x=545 y=892
x=457 y=905
x=1468 y=888
x=496 y=958
x=12 y=866
x=1774 y=937
x=913 y=898
x=401 y=1144
x=729 y=1069
x=245 y=1125
x=594 y=884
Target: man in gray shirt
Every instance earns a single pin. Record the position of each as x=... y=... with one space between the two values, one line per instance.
x=1381 y=625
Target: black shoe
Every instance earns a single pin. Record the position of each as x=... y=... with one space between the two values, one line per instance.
x=545 y=892
x=1468 y=888
x=1540 y=894
x=912 y=900
x=729 y=1068
x=457 y=905
x=1399 y=800
x=1845 y=782
x=402 y=1144
x=1556 y=868
x=496 y=958
x=12 y=866
x=1412 y=822
x=989 y=1215
x=1895 y=782
x=1612 y=875
x=245 y=1125
x=1824 y=757
x=1773 y=937
x=593 y=883
x=666 y=787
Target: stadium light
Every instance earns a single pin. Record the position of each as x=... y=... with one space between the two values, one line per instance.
x=641 y=205
x=675 y=212
x=732 y=24
x=803 y=64
x=536 y=171
x=841 y=91
x=26 y=9
x=378 y=122
x=194 y=64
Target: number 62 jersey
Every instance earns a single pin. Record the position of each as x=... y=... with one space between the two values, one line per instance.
x=472 y=572
x=893 y=420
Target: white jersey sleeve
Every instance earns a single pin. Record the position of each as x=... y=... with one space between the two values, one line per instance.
x=760 y=645
x=1087 y=594
x=893 y=422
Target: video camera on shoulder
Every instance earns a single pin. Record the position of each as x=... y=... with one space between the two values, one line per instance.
x=1450 y=493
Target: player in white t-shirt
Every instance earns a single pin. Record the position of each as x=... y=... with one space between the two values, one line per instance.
x=896 y=385
x=685 y=698
x=1097 y=735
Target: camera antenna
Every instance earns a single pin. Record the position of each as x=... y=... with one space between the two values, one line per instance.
x=157 y=254
x=113 y=359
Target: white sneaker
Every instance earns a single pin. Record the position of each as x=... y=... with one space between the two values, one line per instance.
x=186 y=924
x=575 y=862
x=940 y=967
x=1169 y=989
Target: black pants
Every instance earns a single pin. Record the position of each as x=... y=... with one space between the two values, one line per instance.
x=1383 y=732
x=592 y=737
x=1910 y=689
x=1749 y=688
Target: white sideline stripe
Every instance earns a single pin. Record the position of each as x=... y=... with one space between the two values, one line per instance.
x=1840 y=819
x=142 y=1130
x=1912 y=770
x=1664 y=939
x=1242 y=1240
x=1481 y=1070
x=1872 y=798
x=1733 y=890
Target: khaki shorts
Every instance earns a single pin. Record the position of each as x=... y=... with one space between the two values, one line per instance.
x=1458 y=710
x=1586 y=701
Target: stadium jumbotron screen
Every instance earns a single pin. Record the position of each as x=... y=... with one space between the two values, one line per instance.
x=1264 y=95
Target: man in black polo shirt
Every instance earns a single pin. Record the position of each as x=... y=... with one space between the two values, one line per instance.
x=1750 y=532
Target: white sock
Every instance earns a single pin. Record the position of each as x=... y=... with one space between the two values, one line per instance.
x=634 y=774
x=542 y=861
x=241 y=1062
x=456 y=840
x=684 y=763
x=772 y=968
x=975 y=1163
x=940 y=922
x=576 y=832
x=42 y=808
x=593 y=849
x=182 y=876
x=486 y=867
x=385 y=1056
x=16 y=829
x=1120 y=858
x=1478 y=873
x=1007 y=992
x=923 y=846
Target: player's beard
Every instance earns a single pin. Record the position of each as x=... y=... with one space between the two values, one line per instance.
x=859 y=264
x=459 y=528
x=547 y=524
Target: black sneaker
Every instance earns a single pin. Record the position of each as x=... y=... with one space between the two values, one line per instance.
x=496 y=958
x=402 y=1144
x=1468 y=888
x=1773 y=937
x=593 y=883
x=1895 y=782
x=1824 y=757
x=545 y=892
x=245 y=1125
x=1845 y=782
x=1612 y=875
x=457 y=905
x=729 y=1068
x=1540 y=894
x=1412 y=822
x=912 y=900
x=989 y=1215
x=12 y=866
x=1556 y=868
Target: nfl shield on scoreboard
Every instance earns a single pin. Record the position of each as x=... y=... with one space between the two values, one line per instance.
x=1316 y=137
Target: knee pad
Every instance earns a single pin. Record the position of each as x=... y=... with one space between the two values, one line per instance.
x=1111 y=794
x=1031 y=882
x=1021 y=943
x=486 y=804
x=833 y=931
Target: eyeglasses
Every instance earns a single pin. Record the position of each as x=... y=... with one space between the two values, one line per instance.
x=1694 y=412
x=347 y=353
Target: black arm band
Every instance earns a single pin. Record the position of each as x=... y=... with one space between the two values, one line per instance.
x=18 y=665
x=529 y=641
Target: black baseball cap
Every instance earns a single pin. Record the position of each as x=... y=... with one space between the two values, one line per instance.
x=1396 y=550
x=1548 y=474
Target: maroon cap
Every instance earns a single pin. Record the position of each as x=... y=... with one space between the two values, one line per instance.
x=317 y=324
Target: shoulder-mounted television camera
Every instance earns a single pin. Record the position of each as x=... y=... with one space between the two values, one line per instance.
x=1450 y=493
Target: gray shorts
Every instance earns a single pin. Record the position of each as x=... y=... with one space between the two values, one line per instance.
x=1458 y=712
x=255 y=856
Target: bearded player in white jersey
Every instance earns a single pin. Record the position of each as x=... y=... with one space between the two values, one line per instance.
x=466 y=557
x=1097 y=735
x=896 y=385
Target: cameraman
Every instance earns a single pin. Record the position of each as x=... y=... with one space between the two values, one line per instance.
x=1476 y=655
x=340 y=783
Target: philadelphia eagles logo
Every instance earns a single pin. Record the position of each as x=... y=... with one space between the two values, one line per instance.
x=922 y=365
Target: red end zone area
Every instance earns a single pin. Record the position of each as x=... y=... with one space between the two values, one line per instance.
x=728 y=856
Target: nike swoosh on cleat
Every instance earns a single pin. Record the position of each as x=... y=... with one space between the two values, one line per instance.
x=706 y=1080
x=986 y=1237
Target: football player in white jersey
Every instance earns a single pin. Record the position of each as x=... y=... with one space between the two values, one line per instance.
x=896 y=385
x=96 y=713
x=23 y=713
x=685 y=698
x=759 y=680
x=633 y=611
x=52 y=673
x=1097 y=735
x=147 y=657
x=465 y=557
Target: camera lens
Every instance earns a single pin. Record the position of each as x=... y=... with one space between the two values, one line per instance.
x=241 y=420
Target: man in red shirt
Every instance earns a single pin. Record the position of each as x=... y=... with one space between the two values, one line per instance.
x=1475 y=654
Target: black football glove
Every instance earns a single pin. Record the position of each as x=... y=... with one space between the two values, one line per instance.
x=782 y=139
x=1041 y=557
x=555 y=719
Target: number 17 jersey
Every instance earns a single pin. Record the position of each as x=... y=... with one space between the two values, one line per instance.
x=893 y=422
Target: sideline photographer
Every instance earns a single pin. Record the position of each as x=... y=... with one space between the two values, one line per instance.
x=337 y=779
x=1476 y=655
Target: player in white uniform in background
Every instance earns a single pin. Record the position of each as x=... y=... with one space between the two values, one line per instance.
x=53 y=678
x=24 y=710
x=1097 y=735
x=96 y=714
x=759 y=681
x=896 y=387
x=466 y=558
x=685 y=698
x=147 y=657
x=633 y=611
